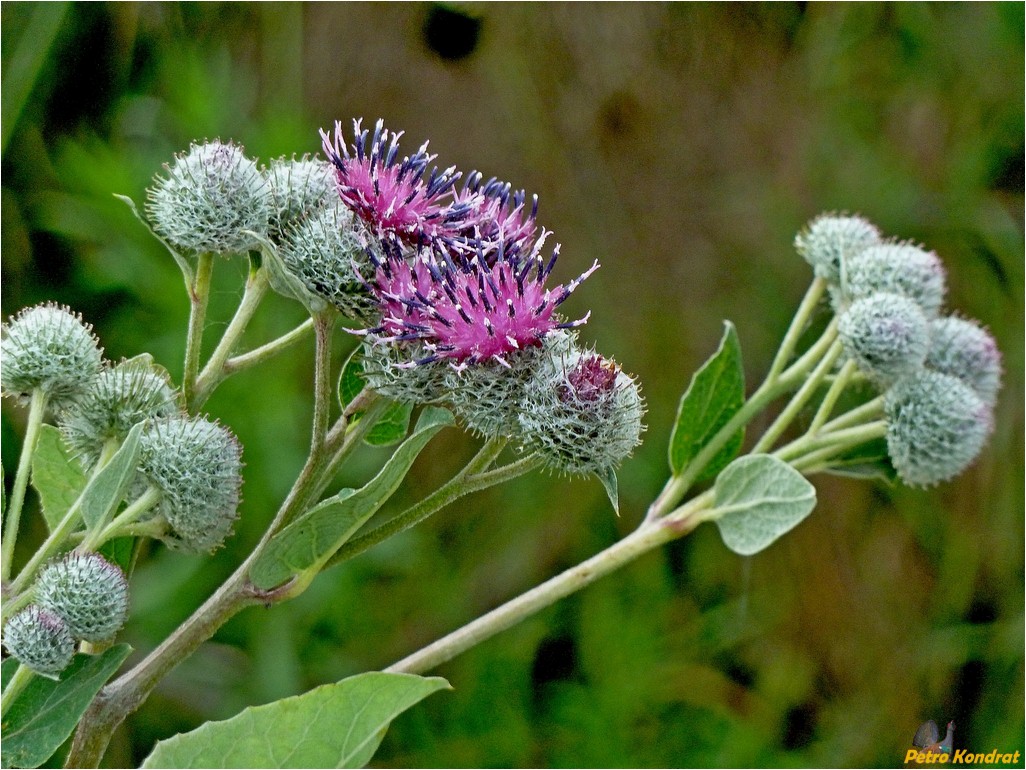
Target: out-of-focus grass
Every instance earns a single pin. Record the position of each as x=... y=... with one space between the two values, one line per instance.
x=680 y=144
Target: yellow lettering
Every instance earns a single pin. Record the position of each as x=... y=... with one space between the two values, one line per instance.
x=1015 y=757
x=960 y=757
x=989 y=759
x=910 y=755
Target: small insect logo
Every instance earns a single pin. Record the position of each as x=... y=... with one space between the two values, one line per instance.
x=929 y=748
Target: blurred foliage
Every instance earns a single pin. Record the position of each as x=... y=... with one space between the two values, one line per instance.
x=682 y=145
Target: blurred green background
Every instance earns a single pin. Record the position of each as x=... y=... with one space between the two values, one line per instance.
x=682 y=145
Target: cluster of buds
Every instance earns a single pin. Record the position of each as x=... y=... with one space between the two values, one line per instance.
x=459 y=275
x=79 y=597
x=940 y=373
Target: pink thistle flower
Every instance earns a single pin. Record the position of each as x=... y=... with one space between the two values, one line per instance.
x=392 y=195
x=469 y=311
x=504 y=223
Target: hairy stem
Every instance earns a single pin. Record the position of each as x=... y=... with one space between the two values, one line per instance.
x=798 y=325
x=37 y=409
x=126 y=518
x=22 y=676
x=199 y=294
x=264 y=352
x=324 y=324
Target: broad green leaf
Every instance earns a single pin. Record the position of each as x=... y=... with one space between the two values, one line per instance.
x=716 y=393
x=391 y=427
x=609 y=483
x=120 y=551
x=46 y=712
x=183 y=264
x=107 y=488
x=758 y=499
x=310 y=540
x=285 y=282
x=56 y=475
x=335 y=725
x=351 y=382
x=868 y=461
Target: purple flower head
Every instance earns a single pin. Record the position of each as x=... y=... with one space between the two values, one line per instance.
x=466 y=309
x=391 y=195
x=504 y=224
x=590 y=379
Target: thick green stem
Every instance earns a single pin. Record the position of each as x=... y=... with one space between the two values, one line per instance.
x=324 y=324
x=199 y=294
x=798 y=325
x=214 y=371
x=126 y=518
x=17 y=683
x=264 y=352
x=833 y=443
x=37 y=409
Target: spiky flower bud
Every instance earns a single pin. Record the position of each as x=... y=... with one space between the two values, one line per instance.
x=324 y=252
x=936 y=426
x=830 y=239
x=121 y=396
x=887 y=335
x=86 y=591
x=197 y=465
x=392 y=371
x=211 y=195
x=962 y=348
x=298 y=188
x=582 y=414
x=487 y=396
x=40 y=640
x=896 y=268
x=50 y=348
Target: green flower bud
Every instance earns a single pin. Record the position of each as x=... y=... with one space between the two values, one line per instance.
x=39 y=640
x=486 y=396
x=582 y=414
x=324 y=252
x=298 y=188
x=830 y=240
x=887 y=336
x=961 y=348
x=896 y=268
x=210 y=197
x=50 y=348
x=936 y=426
x=391 y=371
x=120 y=397
x=87 y=592
x=197 y=465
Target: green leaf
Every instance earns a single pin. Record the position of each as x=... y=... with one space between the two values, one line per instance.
x=120 y=551
x=609 y=483
x=310 y=540
x=758 y=499
x=183 y=264
x=350 y=381
x=867 y=461
x=335 y=725
x=716 y=393
x=107 y=488
x=391 y=427
x=46 y=712
x=56 y=475
x=283 y=281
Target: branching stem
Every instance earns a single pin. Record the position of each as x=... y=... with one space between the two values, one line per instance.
x=37 y=409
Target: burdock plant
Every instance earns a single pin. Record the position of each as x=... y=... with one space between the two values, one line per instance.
x=453 y=294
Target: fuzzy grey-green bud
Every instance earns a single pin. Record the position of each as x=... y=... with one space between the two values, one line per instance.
x=326 y=254
x=582 y=414
x=391 y=371
x=48 y=347
x=298 y=189
x=197 y=466
x=88 y=592
x=211 y=196
x=936 y=426
x=40 y=640
x=121 y=396
x=896 y=268
x=830 y=239
x=887 y=335
x=962 y=348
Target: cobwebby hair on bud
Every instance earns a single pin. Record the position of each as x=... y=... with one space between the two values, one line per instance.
x=120 y=397
x=886 y=335
x=197 y=465
x=39 y=640
x=831 y=239
x=896 y=268
x=581 y=413
x=88 y=592
x=326 y=254
x=49 y=348
x=962 y=348
x=211 y=196
x=298 y=188
x=936 y=426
